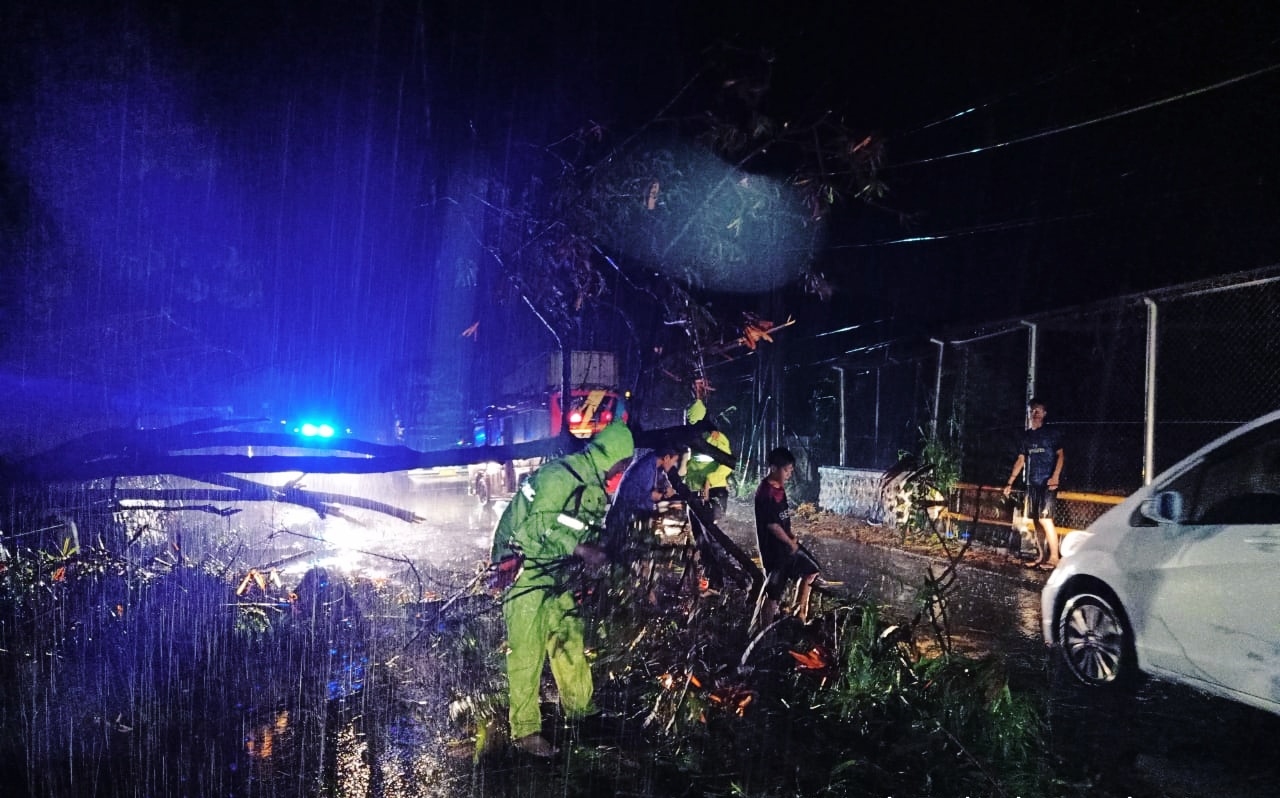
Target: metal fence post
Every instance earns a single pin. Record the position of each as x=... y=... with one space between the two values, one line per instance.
x=937 y=391
x=843 y=438
x=1149 y=409
x=1032 y=346
x=875 y=440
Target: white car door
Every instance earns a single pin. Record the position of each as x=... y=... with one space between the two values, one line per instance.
x=1220 y=600
x=1218 y=595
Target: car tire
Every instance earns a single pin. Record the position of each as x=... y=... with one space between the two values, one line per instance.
x=1096 y=640
x=482 y=491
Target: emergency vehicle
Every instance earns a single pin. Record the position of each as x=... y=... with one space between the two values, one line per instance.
x=536 y=414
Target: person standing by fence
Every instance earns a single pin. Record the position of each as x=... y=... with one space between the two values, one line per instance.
x=1041 y=456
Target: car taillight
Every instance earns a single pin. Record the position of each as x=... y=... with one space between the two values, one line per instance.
x=575 y=417
x=606 y=417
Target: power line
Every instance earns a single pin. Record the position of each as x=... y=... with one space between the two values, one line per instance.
x=993 y=227
x=1096 y=120
x=1014 y=224
x=1049 y=77
x=845 y=329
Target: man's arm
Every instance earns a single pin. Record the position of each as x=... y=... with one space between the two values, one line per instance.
x=1017 y=469
x=662 y=488
x=778 y=532
x=1057 y=470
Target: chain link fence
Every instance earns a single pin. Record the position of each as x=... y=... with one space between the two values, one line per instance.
x=888 y=396
x=1218 y=364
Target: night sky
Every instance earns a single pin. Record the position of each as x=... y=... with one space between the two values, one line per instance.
x=260 y=202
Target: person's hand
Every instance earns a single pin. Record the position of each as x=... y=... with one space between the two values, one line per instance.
x=1053 y=484
x=591 y=554
x=504 y=573
x=1007 y=490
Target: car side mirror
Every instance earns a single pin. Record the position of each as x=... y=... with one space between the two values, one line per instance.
x=1164 y=508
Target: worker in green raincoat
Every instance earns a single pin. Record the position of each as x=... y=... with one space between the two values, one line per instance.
x=708 y=479
x=703 y=474
x=555 y=517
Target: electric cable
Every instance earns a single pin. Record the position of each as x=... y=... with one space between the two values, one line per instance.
x=1014 y=224
x=1047 y=78
x=1095 y=120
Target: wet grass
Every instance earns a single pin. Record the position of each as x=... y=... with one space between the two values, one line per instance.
x=843 y=706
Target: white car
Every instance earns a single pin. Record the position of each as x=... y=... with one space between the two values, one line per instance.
x=1181 y=580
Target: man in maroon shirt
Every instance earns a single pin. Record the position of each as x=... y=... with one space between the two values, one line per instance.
x=779 y=550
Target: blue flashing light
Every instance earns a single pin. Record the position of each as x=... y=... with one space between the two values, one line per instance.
x=311 y=430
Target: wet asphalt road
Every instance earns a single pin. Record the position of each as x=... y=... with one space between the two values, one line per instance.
x=1160 y=741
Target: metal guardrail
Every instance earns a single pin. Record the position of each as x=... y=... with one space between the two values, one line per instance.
x=992 y=518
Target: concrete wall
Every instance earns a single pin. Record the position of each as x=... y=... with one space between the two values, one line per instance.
x=854 y=492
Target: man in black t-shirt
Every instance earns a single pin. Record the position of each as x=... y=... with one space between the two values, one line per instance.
x=780 y=552
x=1042 y=457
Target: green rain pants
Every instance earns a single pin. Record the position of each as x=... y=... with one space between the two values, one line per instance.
x=542 y=625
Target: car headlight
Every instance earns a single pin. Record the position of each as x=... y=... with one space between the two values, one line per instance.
x=1072 y=542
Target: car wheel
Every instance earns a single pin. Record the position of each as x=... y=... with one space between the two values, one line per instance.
x=482 y=490
x=1095 y=639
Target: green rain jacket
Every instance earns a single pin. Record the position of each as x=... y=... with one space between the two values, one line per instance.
x=702 y=469
x=561 y=505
